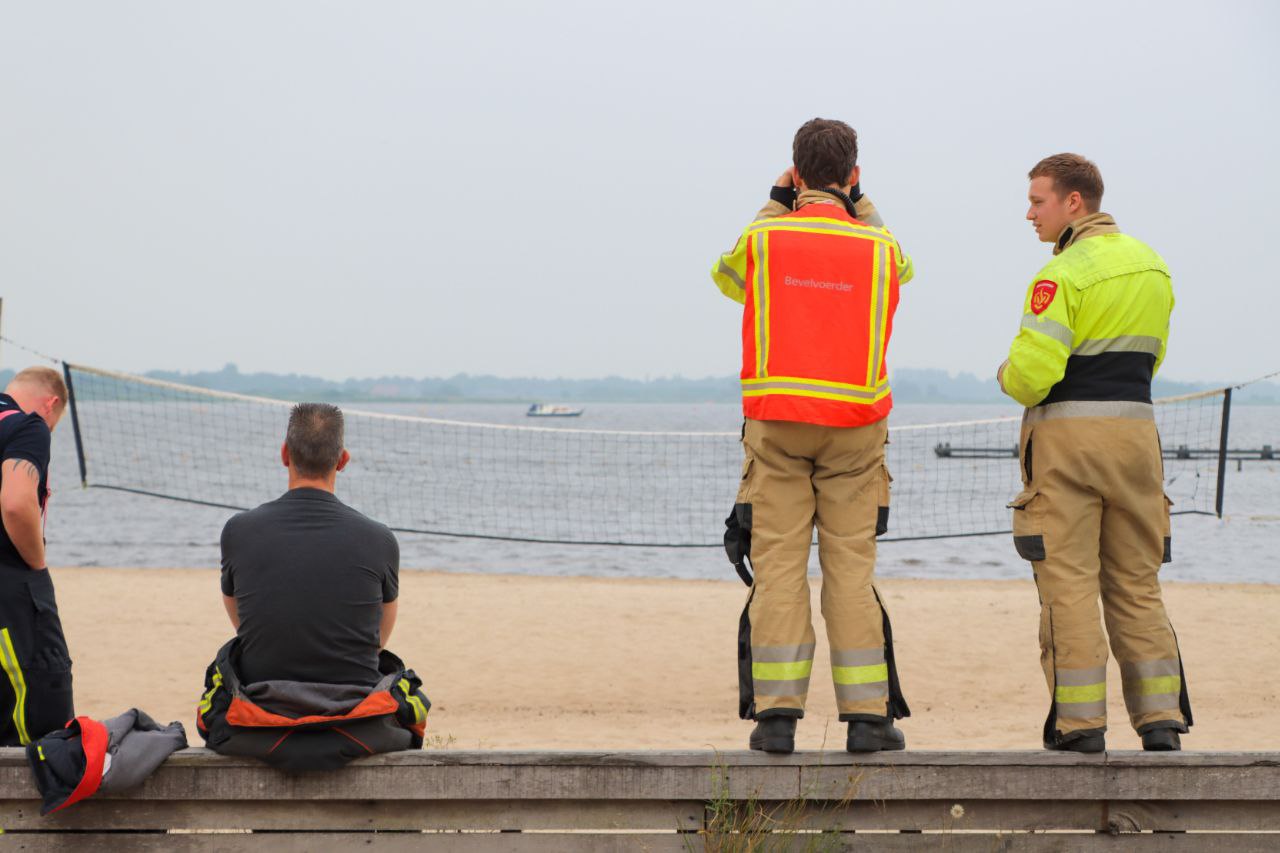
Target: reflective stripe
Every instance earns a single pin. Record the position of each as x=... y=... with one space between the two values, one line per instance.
x=877 y=672
x=1082 y=710
x=782 y=670
x=1090 y=409
x=1154 y=702
x=1150 y=668
x=1082 y=693
x=782 y=654
x=1080 y=677
x=9 y=660
x=880 y=274
x=821 y=395
x=207 y=702
x=809 y=389
x=1051 y=328
x=824 y=384
x=857 y=657
x=419 y=712
x=761 y=291
x=732 y=274
x=769 y=687
x=821 y=226
x=862 y=692
x=1124 y=343
x=1159 y=684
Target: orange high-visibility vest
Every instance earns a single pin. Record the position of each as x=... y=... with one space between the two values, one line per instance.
x=819 y=290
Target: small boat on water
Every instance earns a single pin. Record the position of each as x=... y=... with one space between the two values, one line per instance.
x=549 y=410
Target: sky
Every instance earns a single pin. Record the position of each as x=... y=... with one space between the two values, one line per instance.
x=540 y=189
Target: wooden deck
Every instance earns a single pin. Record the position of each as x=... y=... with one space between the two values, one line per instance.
x=668 y=801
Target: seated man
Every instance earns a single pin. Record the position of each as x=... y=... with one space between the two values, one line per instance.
x=311 y=588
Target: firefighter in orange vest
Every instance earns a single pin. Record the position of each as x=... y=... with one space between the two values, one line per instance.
x=818 y=276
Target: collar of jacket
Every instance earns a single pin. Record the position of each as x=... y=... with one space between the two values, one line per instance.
x=1091 y=225
x=818 y=197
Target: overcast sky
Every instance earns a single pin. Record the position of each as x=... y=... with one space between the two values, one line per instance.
x=359 y=188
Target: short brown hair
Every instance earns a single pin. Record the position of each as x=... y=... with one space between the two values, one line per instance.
x=315 y=438
x=1072 y=173
x=825 y=152
x=45 y=378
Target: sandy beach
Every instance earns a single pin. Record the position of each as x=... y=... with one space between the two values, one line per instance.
x=522 y=662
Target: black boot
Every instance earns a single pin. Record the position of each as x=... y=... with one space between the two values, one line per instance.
x=1088 y=740
x=1160 y=738
x=866 y=736
x=774 y=734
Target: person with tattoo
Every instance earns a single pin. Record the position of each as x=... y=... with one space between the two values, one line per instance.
x=35 y=694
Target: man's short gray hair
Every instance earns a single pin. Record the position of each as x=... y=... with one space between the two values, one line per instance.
x=315 y=438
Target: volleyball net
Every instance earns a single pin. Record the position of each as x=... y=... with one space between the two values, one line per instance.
x=557 y=484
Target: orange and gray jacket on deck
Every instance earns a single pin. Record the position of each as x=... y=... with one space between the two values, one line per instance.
x=1095 y=320
x=819 y=289
x=306 y=726
x=87 y=757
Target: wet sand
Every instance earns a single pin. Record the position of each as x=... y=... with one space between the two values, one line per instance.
x=523 y=662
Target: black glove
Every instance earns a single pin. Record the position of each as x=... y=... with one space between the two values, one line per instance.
x=856 y=192
x=784 y=195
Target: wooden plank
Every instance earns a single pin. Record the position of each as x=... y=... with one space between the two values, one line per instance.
x=377 y=843
x=1199 y=816
x=889 y=782
x=474 y=776
x=415 y=782
x=337 y=815
x=938 y=815
x=737 y=758
x=935 y=815
x=631 y=842
x=1024 y=815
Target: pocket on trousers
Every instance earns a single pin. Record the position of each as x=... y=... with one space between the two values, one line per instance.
x=49 y=647
x=745 y=480
x=884 y=478
x=1028 y=535
x=1168 y=531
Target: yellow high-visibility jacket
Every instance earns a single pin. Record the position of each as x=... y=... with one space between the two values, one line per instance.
x=1095 y=320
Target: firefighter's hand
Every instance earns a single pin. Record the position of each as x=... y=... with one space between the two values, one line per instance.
x=786 y=179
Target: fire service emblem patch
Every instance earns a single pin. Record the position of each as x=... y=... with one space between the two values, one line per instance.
x=1042 y=295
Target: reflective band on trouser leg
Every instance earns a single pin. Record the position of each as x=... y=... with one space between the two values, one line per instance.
x=9 y=660
x=1152 y=686
x=419 y=712
x=206 y=701
x=860 y=675
x=782 y=672
x=1080 y=694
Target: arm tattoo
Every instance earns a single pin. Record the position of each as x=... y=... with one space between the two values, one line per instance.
x=22 y=466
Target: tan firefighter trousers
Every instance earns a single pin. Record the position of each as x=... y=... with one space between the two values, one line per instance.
x=1093 y=520
x=796 y=475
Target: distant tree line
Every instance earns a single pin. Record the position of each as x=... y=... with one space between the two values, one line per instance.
x=909 y=386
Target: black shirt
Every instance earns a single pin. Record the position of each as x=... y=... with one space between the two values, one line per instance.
x=26 y=437
x=310 y=576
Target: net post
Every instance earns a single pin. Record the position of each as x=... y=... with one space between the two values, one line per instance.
x=1222 y=449
x=75 y=424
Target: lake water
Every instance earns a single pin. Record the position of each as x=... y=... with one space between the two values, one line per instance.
x=95 y=527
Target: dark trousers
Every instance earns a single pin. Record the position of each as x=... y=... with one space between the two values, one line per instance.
x=35 y=689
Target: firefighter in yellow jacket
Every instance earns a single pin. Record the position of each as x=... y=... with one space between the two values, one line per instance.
x=1093 y=518
x=818 y=277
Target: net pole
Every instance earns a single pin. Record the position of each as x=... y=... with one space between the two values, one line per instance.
x=75 y=425
x=1222 y=449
